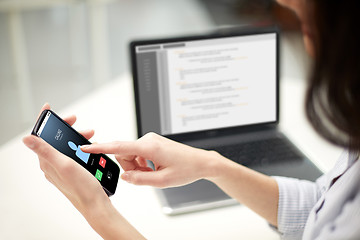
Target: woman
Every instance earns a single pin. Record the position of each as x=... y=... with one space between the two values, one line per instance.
x=327 y=209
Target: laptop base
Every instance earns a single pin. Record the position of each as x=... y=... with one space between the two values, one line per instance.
x=203 y=195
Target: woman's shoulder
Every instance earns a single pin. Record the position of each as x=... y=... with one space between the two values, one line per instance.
x=346 y=225
x=337 y=213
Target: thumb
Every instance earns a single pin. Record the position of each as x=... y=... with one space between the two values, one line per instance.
x=151 y=178
x=41 y=148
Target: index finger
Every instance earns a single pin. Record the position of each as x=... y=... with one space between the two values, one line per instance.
x=118 y=148
x=70 y=119
x=46 y=106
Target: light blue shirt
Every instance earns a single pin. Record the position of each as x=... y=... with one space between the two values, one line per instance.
x=327 y=209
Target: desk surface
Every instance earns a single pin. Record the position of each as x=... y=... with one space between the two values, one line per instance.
x=31 y=208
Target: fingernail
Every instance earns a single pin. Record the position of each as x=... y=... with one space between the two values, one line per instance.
x=46 y=105
x=84 y=147
x=29 y=142
x=126 y=177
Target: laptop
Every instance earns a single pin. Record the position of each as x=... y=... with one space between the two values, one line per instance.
x=219 y=92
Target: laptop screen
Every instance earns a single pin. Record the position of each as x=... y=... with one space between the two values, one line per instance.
x=206 y=84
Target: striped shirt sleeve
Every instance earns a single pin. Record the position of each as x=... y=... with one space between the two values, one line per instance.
x=296 y=199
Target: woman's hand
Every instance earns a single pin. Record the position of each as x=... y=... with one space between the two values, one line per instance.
x=77 y=184
x=81 y=188
x=175 y=164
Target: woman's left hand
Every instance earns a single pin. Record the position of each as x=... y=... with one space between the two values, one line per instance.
x=77 y=184
x=81 y=188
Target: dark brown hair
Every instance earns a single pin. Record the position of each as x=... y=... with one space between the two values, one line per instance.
x=333 y=96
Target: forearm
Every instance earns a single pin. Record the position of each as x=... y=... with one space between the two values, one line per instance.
x=253 y=189
x=109 y=223
x=177 y=164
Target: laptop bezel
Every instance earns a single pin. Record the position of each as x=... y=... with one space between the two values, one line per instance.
x=214 y=35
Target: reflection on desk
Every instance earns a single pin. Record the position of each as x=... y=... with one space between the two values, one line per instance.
x=31 y=208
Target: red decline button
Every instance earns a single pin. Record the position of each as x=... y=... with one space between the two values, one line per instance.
x=102 y=162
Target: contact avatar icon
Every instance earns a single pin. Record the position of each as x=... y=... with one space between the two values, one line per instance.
x=80 y=154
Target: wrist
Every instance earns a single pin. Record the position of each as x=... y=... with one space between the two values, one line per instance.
x=219 y=168
x=99 y=214
x=109 y=223
x=214 y=165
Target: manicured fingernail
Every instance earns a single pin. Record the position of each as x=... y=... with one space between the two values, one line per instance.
x=84 y=147
x=126 y=177
x=29 y=142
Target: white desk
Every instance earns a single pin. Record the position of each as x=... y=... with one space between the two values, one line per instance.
x=31 y=208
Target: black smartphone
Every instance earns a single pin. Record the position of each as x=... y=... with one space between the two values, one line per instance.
x=67 y=140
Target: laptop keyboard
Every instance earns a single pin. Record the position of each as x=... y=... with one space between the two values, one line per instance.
x=263 y=152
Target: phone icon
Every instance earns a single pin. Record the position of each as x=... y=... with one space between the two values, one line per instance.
x=98 y=174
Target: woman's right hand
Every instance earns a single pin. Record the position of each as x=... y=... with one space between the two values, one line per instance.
x=175 y=164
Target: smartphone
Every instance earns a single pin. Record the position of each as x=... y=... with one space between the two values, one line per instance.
x=67 y=140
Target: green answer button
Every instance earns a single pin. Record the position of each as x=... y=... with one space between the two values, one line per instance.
x=98 y=174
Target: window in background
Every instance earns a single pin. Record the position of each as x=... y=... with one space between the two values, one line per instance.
x=57 y=51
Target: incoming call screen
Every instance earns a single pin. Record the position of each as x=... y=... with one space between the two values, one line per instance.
x=68 y=142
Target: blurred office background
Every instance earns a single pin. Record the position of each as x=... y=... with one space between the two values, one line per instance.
x=57 y=51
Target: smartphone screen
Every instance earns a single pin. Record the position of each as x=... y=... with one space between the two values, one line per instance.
x=67 y=140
